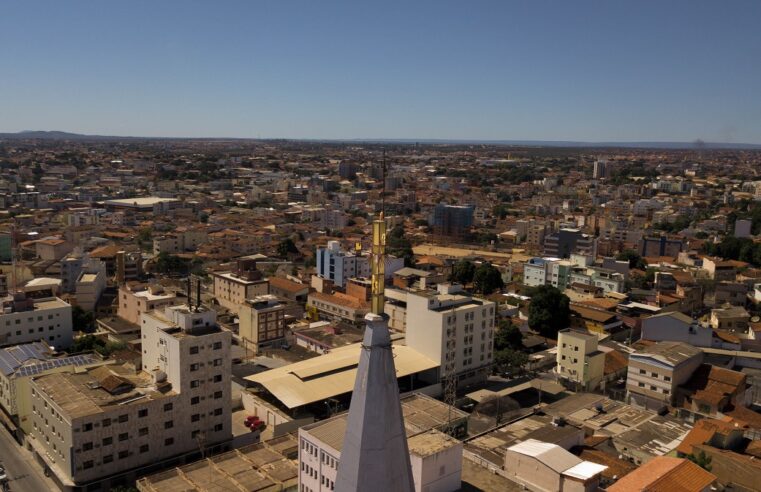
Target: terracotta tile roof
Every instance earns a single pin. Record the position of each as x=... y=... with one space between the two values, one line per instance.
x=705 y=429
x=106 y=251
x=598 y=315
x=287 y=285
x=665 y=474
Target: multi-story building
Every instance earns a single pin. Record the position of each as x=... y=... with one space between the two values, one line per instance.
x=138 y=298
x=453 y=329
x=89 y=427
x=601 y=169
x=547 y=271
x=339 y=266
x=563 y=243
x=233 y=289
x=90 y=285
x=655 y=372
x=579 y=362
x=451 y=220
x=179 y=241
x=262 y=323
x=605 y=279
x=25 y=320
x=660 y=246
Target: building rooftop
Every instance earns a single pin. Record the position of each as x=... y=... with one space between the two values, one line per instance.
x=669 y=353
x=141 y=202
x=330 y=375
x=665 y=474
x=430 y=442
x=98 y=390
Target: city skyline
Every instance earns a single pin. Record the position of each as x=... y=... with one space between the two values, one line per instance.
x=589 y=72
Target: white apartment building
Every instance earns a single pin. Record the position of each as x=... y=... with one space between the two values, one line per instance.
x=547 y=271
x=232 y=290
x=25 y=320
x=339 y=266
x=89 y=427
x=138 y=298
x=453 y=329
x=579 y=362
x=654 y=373
x=435 y=457
x=179 y=241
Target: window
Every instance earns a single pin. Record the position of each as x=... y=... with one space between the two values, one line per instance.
x=217 y=362
x=106 y=422
x=217 y=411
x=195 y=383
x=142 y=413
x=194 y=367
x=167 y=407
x=168 y=441
x=217 y=395
x=168 y=424
x=87 y=464
x=195 y=400
x=143 y=431
x=86 y=427
x=194 y=350
x=123 y=436
x=144 y=448
x=108 y=459
x=217 y=345
x=641 y=385
x=107 y=441
x=123 y=454
x=218 y=427
x=195 y=417
x=667 y=378
x=123 y=418
x=218 y=378
x=642 y=371
x=87 y=446
x=195 y=434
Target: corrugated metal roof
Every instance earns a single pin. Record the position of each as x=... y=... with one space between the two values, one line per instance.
x=323 y=377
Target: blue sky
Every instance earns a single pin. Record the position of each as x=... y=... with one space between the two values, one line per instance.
x=605 y=70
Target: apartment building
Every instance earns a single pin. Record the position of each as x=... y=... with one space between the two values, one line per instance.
x=655 y=372
x=547 y=271
x=660 y=246
x=90 y=285
x=138 y=298
x=451 y=220
x=262 y=323
x=453 y=329
x=606 y=279
x=25 y=320
x=435 y=457
x=563 y=243
x=339 y=266
x=91 y=428
x=180 y=241
x=233 y=289
x=579 y=362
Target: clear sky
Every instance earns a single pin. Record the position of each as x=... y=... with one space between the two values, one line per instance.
x=607 y=70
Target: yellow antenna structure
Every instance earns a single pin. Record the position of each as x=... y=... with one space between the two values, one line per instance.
x=379 y=253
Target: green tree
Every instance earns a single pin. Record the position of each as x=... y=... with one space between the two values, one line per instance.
x=398 y=245
x=510 y=361
x=171 y=264
x=463 y=272
x=508 y=336
x=487 y=279
x=286 y=247
x=634 y=259
x=548 y=311
x=701 y=459
x=82 y=320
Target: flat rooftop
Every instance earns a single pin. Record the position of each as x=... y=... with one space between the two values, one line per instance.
x=142 y=202
x=269 y=465
x=98 y=390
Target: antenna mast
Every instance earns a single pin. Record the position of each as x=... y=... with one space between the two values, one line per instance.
x=379 y=251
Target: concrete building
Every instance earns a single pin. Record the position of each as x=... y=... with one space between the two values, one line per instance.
x=339 y=266
x=262 y=323
x=453 y=329
x=547 y=271
x=138 y=298
x=545 y=467
x=90 y=285
x=579 y=362
x=601 y=169
x=730 y=318
x=743 y=228
x=660 y=246
x=233 y=289
x=676 y=327
x=179 y=241
x=563 y=243
x=25 y=320
x=451 y=220
x=431 y=451
x=655 y=373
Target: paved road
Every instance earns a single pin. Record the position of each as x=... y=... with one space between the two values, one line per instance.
x=23 y=473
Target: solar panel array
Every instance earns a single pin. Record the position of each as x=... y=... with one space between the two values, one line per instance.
x=14 y=360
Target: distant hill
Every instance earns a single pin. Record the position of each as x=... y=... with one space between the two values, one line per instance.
x=60 y=135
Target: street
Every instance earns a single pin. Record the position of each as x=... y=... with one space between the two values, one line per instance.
x=24 y=475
